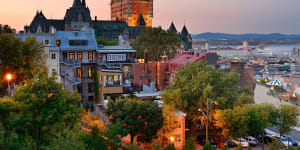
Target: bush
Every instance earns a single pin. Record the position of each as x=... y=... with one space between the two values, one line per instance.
x=240 y=147
x=170 y=147
x=207 y=146
x=225 y=148
x=189 y=145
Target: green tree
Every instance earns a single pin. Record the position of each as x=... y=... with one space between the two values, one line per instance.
x=207 y=146
x=189 y=145
x=196 y=82
x=67 y=140
x=157 y=42
x=95 y=140
x=114 y=133
x=141 y=119
x=105 y=42
x=44 y=109
x=287 y=118
x=170 y=147
x=6 y=29
x=22 y=59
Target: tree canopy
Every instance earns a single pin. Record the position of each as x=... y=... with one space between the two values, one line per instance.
x=157 y=42
x=139 y=118
x=197 y=81
x=20 y=58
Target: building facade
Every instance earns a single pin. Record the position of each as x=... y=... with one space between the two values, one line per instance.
x=130 y=11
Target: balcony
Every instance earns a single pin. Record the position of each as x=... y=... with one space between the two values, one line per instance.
x=113 y=84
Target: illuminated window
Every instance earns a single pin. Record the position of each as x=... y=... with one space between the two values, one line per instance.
x=71 y=55
x=90 y=72
x=79 y=72
x=79 y=56
x=90 y=56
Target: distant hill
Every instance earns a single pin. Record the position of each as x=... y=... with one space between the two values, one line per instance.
x=209 y=35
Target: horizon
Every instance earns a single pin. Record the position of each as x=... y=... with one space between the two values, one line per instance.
x=260 y=17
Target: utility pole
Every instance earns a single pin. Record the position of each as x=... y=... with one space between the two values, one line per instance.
x=207 y=119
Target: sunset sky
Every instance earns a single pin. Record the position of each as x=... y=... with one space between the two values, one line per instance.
x=227 y=16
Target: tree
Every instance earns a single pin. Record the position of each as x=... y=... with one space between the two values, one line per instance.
x=6 y=29
x=233 y=122
x=22 y=59
x=105 y=42
x=95 y=140
x=141 y=119
x=114 y=133
x=207 y=146
x=196 y=82
x=189 y=145
x=287 y=118
x=44 y=109
x=170 y=147
x=157 y=42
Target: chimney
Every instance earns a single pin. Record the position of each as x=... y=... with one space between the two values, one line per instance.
x=95 y=18
x=146 y=56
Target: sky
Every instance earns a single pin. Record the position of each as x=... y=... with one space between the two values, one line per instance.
x=225 y=16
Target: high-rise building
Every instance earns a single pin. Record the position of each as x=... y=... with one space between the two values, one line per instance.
x=131 y=10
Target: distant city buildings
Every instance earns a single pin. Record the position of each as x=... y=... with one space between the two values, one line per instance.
x=133 y=12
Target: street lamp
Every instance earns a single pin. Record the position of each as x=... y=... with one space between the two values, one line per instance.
x=172 y=139
x=207 y=117
x=8 y=77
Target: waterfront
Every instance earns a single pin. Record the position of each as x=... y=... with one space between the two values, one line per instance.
x=281 y=49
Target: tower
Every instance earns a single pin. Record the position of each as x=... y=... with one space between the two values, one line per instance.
x=130 y=10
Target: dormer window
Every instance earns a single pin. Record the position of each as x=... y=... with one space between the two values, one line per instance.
x=46 y=42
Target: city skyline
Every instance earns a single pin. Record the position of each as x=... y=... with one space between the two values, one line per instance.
x=267 y=16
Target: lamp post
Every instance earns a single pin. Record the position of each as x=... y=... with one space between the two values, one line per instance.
x=8 y=77
x=207 y=117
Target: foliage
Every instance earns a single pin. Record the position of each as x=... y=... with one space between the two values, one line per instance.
x=93 y=121
x=240 y=147
x=225 y=148
x=67 y=140
x=114 y=133
x=196 y=82
x=155 y=147
x=170 y=147
x=2 y=136
x=105 y=42
x=95 y=141
x=40 y=109
x=207 y=146
x=97 y=83
x=157 y=42
x=6 y=29
x=189 y=145
x=277 y=145
x=287 y=118
x=141 y=119
x=22 y=59
x=132 y=147
x=234 y=122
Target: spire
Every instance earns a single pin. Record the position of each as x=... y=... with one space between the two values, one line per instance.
x=77 y=4
x=172 y=28
x=184 y=31
x=141 y=21
x=83 y=3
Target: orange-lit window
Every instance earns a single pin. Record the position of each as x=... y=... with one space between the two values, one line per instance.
x=79 y=56
x=90 y=56
x=71 y=55
x=79 y=72
x=90 y=72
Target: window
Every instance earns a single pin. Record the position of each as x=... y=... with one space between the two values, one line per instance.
x=53 y=56
x=79 y=88
x=149 y=72
x=177 y=138
x=71 y=55
x=90 y=87
x=78 y=42
x=90 y=72
x=53 y=72
x=79 y=72
x=79 y=56
x=46 y=42
x=112 y=80
x=142 y=73
x=90 y=55
x=58 y=43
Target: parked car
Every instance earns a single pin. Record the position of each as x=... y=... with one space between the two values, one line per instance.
x=251 y=140
x=242 y=142
x=268 y=139
x=291 y=140
x=231 y=144
x=220 y=143
x=200 y=140
x=284 y=141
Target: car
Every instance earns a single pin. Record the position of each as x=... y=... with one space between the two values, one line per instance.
x=200 y=140
x=242 y=142
x=231 y=144
x=292 y=140
x=251 y=140
x=284 y=141
x=220 y=143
